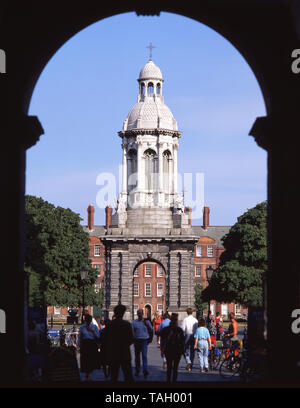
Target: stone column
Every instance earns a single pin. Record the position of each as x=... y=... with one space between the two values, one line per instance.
x=140 y=166
x=17 y=136
x=278 y=135
x=175 y=149
x=160 y=167
x=124 y=173
x=173 y=290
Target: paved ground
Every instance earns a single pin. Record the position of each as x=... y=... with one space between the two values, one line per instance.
x=157 y=374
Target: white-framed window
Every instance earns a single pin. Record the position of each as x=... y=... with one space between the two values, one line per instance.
x=210 y=250
x=136 y=273
x=135 y=309
x=160 y=289
x=160 y=272
x=224 y=309
x=147 y=271
x=97 y=250
x=198 y=270
x=238 y=309
x=148 y=289
x=97 y=286
x=198 y=250
x=57 y=310
x=98 y=269
x=160 y=308
x=136 y=289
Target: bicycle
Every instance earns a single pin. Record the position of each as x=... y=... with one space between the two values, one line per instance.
x=231 y=364
x=214 y=358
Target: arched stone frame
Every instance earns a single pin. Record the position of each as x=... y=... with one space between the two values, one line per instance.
x=142 y=258
x=167 y=171
x=267 y=51
x=151 y=169
x=131 y=170
x=150 y=88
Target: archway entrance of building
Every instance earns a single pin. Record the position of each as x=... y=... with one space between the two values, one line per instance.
x=148 y=312
x=149 y=289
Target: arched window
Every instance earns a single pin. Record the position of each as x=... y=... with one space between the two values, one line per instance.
x=151 y=176
x=131 y=170
x=158 y=89
x=142 y=88
x=167 y=157
x=150 y=88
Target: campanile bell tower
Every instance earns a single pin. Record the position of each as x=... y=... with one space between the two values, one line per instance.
x=149 y=243
x=149 y=167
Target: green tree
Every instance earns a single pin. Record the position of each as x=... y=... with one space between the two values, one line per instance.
x=238 y=277
x=200 y=304
x=55 y=251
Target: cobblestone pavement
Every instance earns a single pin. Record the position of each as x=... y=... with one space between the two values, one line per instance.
x=157 y=374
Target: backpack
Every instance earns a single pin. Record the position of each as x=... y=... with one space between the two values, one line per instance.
x=175 y=340
x=150 y=332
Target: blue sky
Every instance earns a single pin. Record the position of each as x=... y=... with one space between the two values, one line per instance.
x=89 y=86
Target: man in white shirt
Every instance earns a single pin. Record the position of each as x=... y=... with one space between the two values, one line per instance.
x=189 y=327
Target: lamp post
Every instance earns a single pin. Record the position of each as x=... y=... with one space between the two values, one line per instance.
x=209 y=273
x=83 y=275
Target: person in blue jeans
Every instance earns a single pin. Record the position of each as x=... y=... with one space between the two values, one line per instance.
x=202 y=344
x=141 y=337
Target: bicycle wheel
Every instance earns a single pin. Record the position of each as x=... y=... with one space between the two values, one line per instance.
x=229 y=368
x=214 y=362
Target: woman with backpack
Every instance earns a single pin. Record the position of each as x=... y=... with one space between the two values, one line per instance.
x=172 y=344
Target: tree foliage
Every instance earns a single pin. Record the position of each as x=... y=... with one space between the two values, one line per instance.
x=238 y=277
x=56 y=249
x=200 y=304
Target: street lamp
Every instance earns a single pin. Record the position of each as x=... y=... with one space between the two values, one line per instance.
x=209 y=274
x=83 y=275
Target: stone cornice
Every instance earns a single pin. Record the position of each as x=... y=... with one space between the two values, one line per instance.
x=135 y=132
x=148 y=239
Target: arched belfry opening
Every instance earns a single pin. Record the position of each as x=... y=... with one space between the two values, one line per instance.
x=267 y=51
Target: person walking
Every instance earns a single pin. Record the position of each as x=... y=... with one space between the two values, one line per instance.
x=166 y=321
x=156 y=322
x=219 y=325
x=119 y=338
x=173 y=344
x=209 y=320
x=202 y=344
x=189 y=327
x=140 y=328
x=104 y=363
x=87 y=342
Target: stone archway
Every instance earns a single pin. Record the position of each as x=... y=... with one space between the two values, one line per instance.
x=250 y=29
x=149 y=288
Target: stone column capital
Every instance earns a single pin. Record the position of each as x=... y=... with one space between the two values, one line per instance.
x=29 y=130
x=271 y=129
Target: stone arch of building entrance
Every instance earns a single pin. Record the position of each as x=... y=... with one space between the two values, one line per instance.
x=268 y=52
x=149 y=285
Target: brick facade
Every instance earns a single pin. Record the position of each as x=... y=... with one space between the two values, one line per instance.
x=139 y=284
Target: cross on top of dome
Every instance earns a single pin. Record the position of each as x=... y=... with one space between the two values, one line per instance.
x=150 y=48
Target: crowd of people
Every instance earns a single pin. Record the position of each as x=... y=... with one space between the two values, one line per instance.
x=108 y=346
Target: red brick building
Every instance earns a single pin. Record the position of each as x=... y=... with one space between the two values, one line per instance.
x=149 y=278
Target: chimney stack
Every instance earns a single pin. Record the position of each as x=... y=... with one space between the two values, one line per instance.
x=108 y=214
x=91 y=211
x=188 y=211
x=206 y=211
